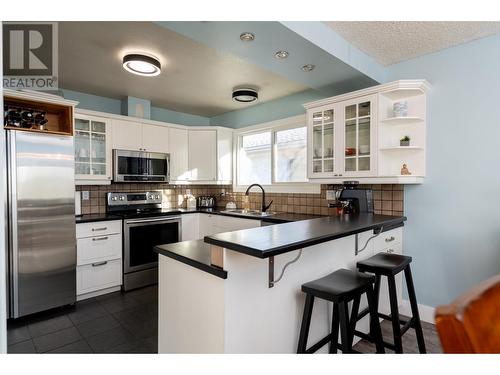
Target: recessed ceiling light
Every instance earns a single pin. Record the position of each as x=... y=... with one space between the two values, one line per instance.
x=308 y=67
x=245 y=95
x=247 y=37
x=281 y=54
x=142 y=65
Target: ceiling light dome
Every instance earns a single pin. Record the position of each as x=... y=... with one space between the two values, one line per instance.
x=245 y=95
x=141 y=64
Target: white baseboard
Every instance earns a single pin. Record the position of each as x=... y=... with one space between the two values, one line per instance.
x=426 y=312
x=81 y=297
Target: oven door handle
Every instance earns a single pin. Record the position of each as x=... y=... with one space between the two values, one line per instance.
x=141 y=221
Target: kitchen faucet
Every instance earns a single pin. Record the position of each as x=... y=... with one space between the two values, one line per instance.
x=264 y=207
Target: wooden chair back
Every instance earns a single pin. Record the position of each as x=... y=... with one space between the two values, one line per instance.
x=471 y=323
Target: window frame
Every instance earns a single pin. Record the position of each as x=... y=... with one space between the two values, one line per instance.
x=273 y=127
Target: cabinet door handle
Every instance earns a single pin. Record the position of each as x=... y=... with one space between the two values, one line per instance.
x=99 y=264
x=100 y=238
x=99 y=229
x=389 y=251
x=390 y=239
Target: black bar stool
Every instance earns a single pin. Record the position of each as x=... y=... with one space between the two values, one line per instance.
x=389 y=265
x=340 y=287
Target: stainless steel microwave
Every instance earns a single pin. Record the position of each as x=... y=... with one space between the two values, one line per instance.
x=140 y=166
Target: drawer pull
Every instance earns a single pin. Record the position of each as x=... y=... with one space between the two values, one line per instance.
x=99 y=264
x=390 y=251
x=100 y=238
x=99 y=229
x=390 y=239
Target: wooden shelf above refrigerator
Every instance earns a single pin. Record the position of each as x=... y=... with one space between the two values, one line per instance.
x=59 y=112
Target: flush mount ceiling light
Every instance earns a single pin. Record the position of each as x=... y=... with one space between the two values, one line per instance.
x=142 y=65
x=281 y=55
x=245 y=95
x=308 y=67
x=247 y=37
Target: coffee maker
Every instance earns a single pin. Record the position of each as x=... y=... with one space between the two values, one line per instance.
x=355 y=200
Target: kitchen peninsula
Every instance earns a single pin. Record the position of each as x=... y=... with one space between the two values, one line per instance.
x=221 y=294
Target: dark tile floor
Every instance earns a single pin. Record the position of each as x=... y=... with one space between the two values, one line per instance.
x=410 y=346
x=128 y=323
x=112 y=323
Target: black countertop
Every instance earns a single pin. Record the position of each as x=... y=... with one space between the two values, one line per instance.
x=89 y=218
x=277 y=218
x=267 y=241
x=194 y=253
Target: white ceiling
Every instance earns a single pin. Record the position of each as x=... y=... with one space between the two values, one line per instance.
x=195 y=79
x=392 y=42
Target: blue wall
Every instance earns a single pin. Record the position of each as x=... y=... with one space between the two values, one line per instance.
x=453 y=228
x=273 y=110
x=109 y=105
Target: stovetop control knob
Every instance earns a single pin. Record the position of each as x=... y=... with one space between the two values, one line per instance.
x=114 y=198
x=122 y=197
x=157 y=196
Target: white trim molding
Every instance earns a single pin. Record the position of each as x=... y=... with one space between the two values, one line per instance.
x=426 y=312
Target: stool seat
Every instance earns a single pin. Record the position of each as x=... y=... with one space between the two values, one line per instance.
x=339 y=285
x=384 y=263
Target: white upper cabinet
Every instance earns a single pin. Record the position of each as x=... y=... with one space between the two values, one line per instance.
x=178 y=146
x=92 y=137
x=155 y=138
x=202 y=149
x=127 y=135
x=359 y=130
x=357 y=135
x=201 y=155
x=132 y=135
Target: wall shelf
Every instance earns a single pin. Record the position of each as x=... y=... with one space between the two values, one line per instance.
x=402 y=120
x=394 y=148
x=402 y=93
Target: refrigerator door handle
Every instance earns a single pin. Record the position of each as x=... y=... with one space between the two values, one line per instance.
x=12 y=225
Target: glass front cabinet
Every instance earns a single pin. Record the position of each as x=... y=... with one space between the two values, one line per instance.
x=342 y=139
x=92 y=149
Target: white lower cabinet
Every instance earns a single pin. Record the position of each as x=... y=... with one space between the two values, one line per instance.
x=197 y=226
x=99 y=258
x=98 y=276
x=190 y=227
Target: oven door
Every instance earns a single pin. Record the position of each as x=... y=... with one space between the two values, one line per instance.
x=137 y=166
x=142 y=235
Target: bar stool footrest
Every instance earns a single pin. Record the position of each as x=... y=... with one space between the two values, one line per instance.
x=369 y=338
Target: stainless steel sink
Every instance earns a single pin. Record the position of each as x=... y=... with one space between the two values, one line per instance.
x=251 y=213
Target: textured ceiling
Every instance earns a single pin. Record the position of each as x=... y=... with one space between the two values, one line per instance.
x=392 y=42
x=195 y=79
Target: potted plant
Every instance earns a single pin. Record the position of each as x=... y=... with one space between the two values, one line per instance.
x=405 y=141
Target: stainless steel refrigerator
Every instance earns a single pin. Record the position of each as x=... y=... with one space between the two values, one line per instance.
x=41 y=222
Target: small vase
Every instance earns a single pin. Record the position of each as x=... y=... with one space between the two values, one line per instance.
x=404 y=143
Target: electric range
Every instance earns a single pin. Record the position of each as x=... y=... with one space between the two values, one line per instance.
x=145 y=225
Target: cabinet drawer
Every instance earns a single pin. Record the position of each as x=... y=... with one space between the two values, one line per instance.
x=99 y=228
x=99 y=248
x=99 y=275
x=388 y=239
